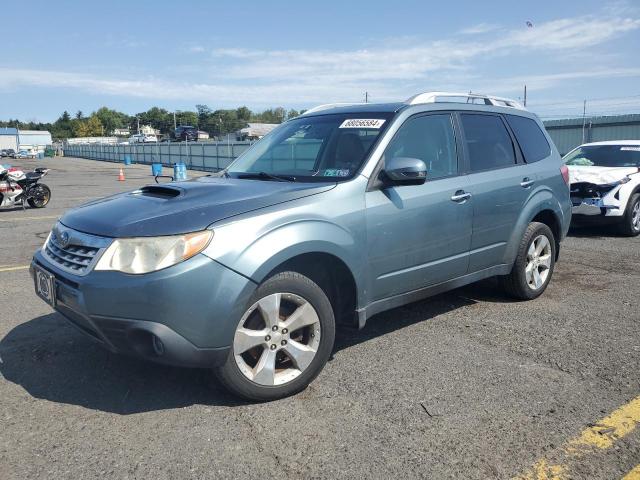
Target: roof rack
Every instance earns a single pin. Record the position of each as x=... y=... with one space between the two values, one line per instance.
x=327 y=106
x=473 y=98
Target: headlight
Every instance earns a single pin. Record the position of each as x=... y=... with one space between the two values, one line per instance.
x=148 y=254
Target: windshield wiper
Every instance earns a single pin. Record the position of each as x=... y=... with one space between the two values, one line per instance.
x=267 y=176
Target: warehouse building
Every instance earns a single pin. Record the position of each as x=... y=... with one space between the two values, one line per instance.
x=33 y=139
x=571 y=132
x=8 y=138
x=17 y=140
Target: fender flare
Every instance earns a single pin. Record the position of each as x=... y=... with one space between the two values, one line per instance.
x=539 y=201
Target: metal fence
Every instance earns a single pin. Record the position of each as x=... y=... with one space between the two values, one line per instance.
x=208 y=156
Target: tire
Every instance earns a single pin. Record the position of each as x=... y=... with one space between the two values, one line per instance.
x=630 y=225
x=521 y=285
x=42 y=198
x=260 y=342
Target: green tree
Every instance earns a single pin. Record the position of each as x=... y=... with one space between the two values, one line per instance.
x=111 y=119
x=88 y=127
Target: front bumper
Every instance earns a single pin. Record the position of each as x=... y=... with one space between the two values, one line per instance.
x=184 y=315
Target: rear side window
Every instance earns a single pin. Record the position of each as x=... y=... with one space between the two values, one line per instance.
x=488 y=142
x=532 y=141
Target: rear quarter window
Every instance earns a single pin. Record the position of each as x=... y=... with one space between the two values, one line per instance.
x=533 y=142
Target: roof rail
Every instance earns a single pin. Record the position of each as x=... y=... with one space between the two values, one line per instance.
x=327 y=106
x=453 y=97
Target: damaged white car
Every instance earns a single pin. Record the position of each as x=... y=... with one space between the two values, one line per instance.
x=605 y=184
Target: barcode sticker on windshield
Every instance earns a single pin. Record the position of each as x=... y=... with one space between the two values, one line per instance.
x=633 y=149
x=362 y=123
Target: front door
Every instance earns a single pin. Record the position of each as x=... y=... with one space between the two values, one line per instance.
x=420 y=235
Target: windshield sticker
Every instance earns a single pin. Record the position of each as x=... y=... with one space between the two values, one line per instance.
x=362 y=123
x=333 y=172
x=631 y=149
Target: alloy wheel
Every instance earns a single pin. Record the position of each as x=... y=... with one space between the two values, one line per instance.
x=635 y=216
x=276 y=339
x=538 y=262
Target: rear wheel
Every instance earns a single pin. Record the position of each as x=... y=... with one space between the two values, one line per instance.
x=282 y=341
x=630 y=225
x=39 y=196
x=534 y=263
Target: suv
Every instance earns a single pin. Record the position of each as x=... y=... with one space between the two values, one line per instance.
x=336 y=215
x=605 y=184
x=186 y=132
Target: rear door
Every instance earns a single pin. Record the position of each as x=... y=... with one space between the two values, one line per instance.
x=499 y=182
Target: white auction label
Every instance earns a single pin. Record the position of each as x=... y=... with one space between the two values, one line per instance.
x=362 y=123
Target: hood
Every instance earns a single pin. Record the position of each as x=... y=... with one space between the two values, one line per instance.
x=599 y=175
x=181 y=207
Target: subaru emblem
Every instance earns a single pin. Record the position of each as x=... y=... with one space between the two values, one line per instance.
x=64 y=239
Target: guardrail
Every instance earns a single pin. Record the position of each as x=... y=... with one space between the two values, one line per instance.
x=209 y=156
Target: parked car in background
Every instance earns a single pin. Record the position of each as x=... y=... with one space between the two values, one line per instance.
x=9 y=152
x=605 y=184
x=3 y=152
x=186 y=132
x=335 y=216
x=26 y=154
x=142 y=138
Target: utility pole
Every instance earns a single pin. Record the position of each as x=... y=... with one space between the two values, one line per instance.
x=366 y=97
x=138 y=119
x=525 y=95
x=584 y=119
x=174 y=121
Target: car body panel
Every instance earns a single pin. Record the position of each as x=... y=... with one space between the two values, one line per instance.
x=199 y=203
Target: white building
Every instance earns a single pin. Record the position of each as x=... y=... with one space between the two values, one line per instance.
x=8 y=138
x=33 y=139
x=15 y=139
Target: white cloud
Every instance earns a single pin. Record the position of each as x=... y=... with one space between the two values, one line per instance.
x=479 y=29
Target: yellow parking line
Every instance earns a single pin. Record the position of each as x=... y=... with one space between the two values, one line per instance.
x=633 y=474
x=12 y=269
x=45 y=217
x=600 y=436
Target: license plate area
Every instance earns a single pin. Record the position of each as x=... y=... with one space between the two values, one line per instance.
x=45 y=284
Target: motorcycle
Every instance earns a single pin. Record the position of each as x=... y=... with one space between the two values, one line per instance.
x=20 y=188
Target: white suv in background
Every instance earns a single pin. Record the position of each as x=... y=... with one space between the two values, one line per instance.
x=605 y=183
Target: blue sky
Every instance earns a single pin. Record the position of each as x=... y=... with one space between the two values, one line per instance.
x=130 y=56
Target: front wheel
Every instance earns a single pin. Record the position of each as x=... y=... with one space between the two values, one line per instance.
x=282 y=341
x=630 y=225
x=532 y=270
x=39 y=196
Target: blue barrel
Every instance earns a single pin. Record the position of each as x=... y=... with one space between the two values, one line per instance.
x=156 y=169
x=179 y=172
x=127 y=160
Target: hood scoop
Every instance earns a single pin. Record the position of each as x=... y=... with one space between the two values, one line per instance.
x=158 y=191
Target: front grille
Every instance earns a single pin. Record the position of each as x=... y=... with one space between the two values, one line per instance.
x=77 y=253
x=74 y=258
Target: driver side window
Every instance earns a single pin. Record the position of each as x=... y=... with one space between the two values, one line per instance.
x=431 y=139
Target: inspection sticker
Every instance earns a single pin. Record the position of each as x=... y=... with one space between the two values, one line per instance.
x=362 y=123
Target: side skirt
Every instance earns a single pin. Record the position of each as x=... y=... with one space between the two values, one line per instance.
x=426 y=292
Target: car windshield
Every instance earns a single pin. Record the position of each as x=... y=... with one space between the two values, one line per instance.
x=318 y=148
x=605 y=156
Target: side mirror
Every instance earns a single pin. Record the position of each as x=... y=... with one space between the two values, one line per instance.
x=405 y=171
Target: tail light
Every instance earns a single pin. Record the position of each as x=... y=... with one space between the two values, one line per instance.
x=564 y=170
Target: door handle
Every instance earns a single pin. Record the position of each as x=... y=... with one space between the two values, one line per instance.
x=526 y=182
x=461 y=196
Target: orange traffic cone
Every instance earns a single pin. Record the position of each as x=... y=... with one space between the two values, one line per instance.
x=121 y=176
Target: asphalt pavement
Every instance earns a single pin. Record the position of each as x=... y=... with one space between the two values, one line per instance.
x=468 y=384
